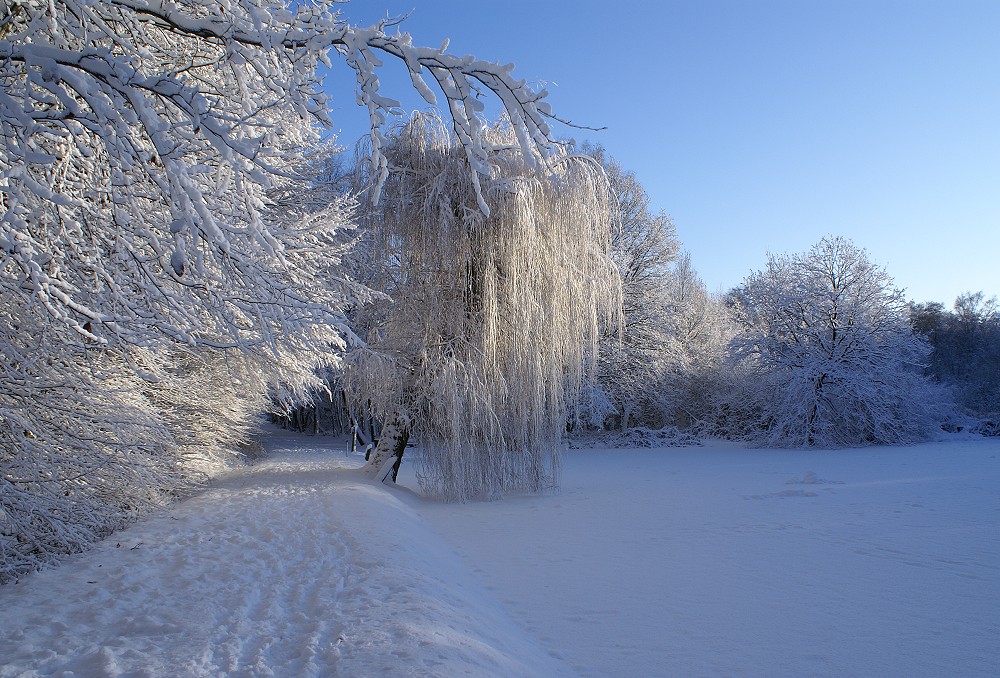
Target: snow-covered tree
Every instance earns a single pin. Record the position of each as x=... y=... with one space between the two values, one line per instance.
x=495 y=315
x=656 y=372
x=154 y=130
x=162 y=234
x=699 y=328
x=827 y=355
x=966 y=353
x=643 y=246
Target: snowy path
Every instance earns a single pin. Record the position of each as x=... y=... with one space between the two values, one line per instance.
x=297 y=567
x=720 y=561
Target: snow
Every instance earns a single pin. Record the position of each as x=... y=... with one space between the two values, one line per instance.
x=299 y=566
x=726 y=561
x=698 y=561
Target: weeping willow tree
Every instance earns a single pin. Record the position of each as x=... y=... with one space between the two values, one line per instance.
x=495 y=314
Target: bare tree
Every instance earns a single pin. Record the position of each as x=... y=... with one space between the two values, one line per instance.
x=698 y=330
x=644 y=246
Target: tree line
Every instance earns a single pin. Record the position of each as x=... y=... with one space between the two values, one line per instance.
x=965 y=354
x=817 y=349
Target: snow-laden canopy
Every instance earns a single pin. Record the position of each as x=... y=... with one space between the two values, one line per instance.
x=166 y=255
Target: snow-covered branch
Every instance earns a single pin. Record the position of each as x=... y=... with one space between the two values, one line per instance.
x=171 y=120
x=169 y=254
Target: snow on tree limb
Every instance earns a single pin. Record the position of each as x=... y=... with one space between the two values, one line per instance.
x=303 y=37
x=170 y=260
x=182 y=115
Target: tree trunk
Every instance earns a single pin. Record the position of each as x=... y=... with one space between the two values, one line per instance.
x=627 y=409
x=388 y=454
x=811 y=425
x=814 y=411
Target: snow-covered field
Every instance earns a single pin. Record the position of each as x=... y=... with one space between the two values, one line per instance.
x=699 y=561
x=723 y=561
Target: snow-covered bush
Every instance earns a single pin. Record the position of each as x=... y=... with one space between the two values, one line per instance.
x=81 y=450
x=635 y=437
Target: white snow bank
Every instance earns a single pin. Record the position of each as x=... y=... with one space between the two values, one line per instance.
x=721 y=561
x=295 y=567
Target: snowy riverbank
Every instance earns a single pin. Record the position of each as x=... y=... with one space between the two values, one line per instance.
x=686 y=561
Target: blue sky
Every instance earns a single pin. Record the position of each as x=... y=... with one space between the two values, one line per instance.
x=763 y=125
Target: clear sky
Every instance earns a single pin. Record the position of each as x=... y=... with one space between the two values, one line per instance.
x=763 y=125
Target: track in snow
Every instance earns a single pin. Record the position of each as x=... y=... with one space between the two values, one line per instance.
x=298 y=566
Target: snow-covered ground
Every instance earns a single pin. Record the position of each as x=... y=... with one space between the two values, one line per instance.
x=701 y=561
x=298 y=566
x=720 y=561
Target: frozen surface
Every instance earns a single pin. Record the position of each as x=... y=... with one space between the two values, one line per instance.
x=722 y=561
x=677 y=562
